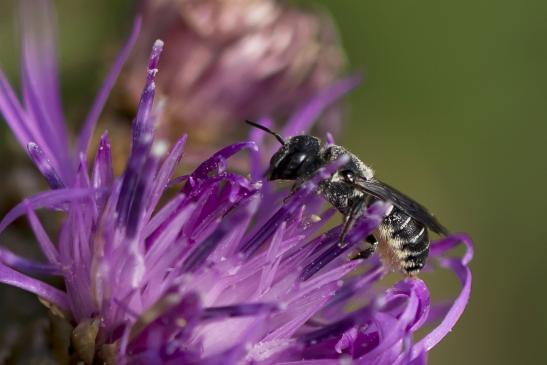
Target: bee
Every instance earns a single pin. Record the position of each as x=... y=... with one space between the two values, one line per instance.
x=401 y=239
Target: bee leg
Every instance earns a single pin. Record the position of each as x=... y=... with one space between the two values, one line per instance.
x=348 y=222
x=350 y=218
x=367 y=252
x=363 y=254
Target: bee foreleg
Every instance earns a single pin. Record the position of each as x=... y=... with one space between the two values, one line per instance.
x=354 y=212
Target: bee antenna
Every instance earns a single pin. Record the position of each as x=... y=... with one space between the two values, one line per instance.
x=265 y=129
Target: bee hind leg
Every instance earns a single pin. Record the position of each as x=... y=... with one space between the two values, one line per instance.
x=367 y=252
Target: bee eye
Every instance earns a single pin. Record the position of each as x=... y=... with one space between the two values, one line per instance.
x=348 y=175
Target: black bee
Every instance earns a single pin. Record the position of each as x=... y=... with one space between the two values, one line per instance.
x=402 y=238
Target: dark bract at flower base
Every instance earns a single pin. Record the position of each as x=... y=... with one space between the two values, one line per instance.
x=223 y=272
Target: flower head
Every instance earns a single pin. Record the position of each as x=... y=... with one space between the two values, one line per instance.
x=248 y=58
x=209 y=268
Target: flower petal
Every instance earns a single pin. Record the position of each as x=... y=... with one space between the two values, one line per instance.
x=239 y=310
x=43 y=290
x=22 y=264
x=49 y=250
x=103 y=174
x=205 y=248
x=216 y=162
x=165 y=172
x=44 y=165
x=462 y=271
x=46 y=199
x=141 y=166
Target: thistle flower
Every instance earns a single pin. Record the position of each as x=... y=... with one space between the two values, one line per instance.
x=224 y=271
x=248 y=58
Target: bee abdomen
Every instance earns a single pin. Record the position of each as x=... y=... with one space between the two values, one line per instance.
x=415 y=260
x=409 y=240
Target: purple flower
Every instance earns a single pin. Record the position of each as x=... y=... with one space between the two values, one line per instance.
x=209 y=268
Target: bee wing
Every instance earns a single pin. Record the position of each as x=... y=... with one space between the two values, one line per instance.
x=414 y=209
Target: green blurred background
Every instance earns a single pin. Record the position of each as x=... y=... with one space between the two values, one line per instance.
x=451 y=111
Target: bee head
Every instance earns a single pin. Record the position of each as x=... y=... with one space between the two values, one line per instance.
x=297 y=158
